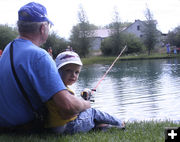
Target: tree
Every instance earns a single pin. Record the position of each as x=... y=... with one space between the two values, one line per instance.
x=56 y=43
x=81 y=34
x=173 y=37
x=116 y=36
x=177 y=38
x=7 y=34
x=114 y=44
x=150 y=32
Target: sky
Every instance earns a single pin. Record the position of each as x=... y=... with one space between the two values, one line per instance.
x=63 y=13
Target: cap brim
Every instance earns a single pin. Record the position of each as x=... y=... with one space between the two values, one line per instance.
x=70 y=62
x=50 y=22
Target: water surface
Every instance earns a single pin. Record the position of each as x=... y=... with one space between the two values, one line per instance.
x=135 y=90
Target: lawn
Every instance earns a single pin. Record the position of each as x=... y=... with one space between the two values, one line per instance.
x=145 y=131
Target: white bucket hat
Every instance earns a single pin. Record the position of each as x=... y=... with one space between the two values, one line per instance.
x=67 y=57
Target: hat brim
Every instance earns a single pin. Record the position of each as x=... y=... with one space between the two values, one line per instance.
x=70 y=62
x=50 y=22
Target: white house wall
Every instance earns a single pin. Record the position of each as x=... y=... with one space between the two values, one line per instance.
x=135 y=28
x=96 y=43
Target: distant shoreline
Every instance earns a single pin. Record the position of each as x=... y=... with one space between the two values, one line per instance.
x=102 y=59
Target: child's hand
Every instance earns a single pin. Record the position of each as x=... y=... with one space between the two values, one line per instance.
x=86 y=94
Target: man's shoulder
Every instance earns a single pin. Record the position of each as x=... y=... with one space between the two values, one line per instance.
x=29 y=53
x=38 y=51
x=28 y=48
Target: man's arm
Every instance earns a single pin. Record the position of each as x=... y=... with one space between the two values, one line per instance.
x=69 y=105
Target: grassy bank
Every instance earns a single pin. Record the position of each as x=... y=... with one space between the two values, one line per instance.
x=135 y=132
x=102 y=59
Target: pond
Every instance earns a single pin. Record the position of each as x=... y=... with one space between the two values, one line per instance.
x=135 y=89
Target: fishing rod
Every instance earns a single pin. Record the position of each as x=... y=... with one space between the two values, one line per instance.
x=110 y=68
x=90 y=91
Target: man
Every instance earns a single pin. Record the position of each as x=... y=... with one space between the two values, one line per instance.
x=36 y=71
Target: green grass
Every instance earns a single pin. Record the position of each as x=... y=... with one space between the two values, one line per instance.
x=104 y=59
x=151 y=131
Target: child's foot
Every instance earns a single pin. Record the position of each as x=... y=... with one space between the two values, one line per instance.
x=122 y=127
x=105 y=127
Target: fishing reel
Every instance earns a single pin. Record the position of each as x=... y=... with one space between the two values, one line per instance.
x=86 y=94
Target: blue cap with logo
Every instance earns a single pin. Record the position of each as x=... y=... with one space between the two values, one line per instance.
x=33 y=12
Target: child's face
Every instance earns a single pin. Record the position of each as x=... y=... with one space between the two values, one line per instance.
x=70 y=73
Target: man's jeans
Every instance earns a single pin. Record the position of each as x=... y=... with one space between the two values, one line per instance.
x=87 y=120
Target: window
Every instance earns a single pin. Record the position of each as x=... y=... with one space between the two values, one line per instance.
x=138 y=27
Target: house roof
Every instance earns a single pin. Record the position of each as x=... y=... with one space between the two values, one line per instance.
x=136 y=21
x=103 y=33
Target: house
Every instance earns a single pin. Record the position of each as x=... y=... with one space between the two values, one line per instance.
x=99 y=35
x=135 y=28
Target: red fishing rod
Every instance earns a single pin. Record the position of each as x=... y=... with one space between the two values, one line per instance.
x=109 y=68
x=86 y=91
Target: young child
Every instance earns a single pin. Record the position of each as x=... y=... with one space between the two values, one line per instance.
x=69 y=66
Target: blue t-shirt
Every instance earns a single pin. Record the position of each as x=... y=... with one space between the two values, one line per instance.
x=39 y=76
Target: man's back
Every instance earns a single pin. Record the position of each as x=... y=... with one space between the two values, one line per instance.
x=33 y=65
x=36 y=71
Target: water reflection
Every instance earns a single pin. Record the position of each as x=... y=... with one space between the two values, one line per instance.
x=135 y=89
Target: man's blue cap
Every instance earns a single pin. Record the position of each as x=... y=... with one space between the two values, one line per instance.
x=33 y=12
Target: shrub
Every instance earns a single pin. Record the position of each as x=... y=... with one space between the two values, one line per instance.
x=106 y=47
x=134 y=45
